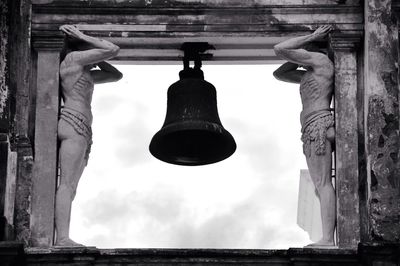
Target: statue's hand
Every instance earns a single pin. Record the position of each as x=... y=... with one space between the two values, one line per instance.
x=72 y=31
x=321 y=32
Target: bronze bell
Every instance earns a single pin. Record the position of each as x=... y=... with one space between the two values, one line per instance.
x=192 y=133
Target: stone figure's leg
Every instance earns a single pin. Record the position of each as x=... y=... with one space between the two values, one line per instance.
x=320 y=171
x=72 y=152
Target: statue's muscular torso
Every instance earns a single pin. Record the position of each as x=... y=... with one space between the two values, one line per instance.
x=77 y=87
x=316 y=88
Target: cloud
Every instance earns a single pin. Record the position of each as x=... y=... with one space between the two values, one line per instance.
x=262 y=148
x=161 y=218
x=132 y=138
x=253 y=223
x=233 y=229
x=110 y=206
x=106 y=103
x=127 y=219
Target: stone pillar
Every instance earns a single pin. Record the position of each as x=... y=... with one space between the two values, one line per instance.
x=22 y=211
x=381 y=123
x=346 y=128
x=4 y=149
x=4 y=66
x=5 y=113
x=20 y=63
x=18 y=204
x=45 y=146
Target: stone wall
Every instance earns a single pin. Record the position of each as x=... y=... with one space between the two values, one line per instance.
x=381 y=92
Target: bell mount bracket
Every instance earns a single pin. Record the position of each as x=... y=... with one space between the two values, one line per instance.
x=195 y=51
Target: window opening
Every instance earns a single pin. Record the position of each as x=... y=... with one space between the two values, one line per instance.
x=127 y=198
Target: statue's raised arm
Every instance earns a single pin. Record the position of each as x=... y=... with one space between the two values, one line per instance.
x=289 y=72
x=87 y=50
x=297 y=50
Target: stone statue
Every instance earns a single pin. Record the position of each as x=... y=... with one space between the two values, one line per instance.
x=316 y=88
x=82 y=66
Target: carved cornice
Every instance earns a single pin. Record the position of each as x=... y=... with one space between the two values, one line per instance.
x=198 y=3
x=193 y=16
x=48 y=42
x=154 y=30
x=340 y=41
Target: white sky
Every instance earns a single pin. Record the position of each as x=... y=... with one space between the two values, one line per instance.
x=129 y=199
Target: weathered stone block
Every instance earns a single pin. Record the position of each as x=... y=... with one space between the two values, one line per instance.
x=382 y=121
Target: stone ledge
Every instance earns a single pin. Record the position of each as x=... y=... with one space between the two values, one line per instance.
x=94 y=256
x=13 y=254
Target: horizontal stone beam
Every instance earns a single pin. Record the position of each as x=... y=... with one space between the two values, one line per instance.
x=154 y=30
x=198 y=3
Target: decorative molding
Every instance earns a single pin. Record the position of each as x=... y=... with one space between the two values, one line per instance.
x=200 y=3
x=41 y=2
x=128 y=9
x=53 y=42
x=340 y=41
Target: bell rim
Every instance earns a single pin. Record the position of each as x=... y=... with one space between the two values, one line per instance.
x=190 y=126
